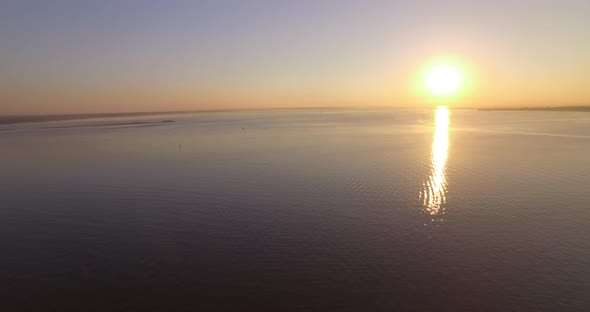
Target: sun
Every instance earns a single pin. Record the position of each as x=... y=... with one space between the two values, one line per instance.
x=443 y=79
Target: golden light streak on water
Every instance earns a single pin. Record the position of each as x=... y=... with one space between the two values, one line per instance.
x=433 y=194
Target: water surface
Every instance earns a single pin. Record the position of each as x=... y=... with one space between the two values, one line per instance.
x=319 y=210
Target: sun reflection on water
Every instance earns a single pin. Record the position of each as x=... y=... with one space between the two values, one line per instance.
x=433 y=194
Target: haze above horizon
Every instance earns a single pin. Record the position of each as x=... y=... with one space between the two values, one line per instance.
x=127 y=56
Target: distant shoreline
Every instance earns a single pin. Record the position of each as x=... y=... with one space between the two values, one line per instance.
x=6 y=120
x=134 y=123
x=541 y=109
x=18 y=119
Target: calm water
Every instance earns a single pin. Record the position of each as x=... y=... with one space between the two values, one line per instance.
x=320 y=210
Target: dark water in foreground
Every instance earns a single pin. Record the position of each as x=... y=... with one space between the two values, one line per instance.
x=298 y=211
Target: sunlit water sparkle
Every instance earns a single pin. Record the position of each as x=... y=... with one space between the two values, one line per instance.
x=433 y=194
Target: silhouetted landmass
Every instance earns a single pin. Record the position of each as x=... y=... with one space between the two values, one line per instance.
x=132 y=123
x=554 y=109
x=46 y=118
x=4 y=120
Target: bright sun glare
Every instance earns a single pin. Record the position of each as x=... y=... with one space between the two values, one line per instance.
x=443 y=79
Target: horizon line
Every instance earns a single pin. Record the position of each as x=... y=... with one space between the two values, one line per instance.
x=30 y=118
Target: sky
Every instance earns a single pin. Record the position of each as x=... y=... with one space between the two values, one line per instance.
x=131 y=56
